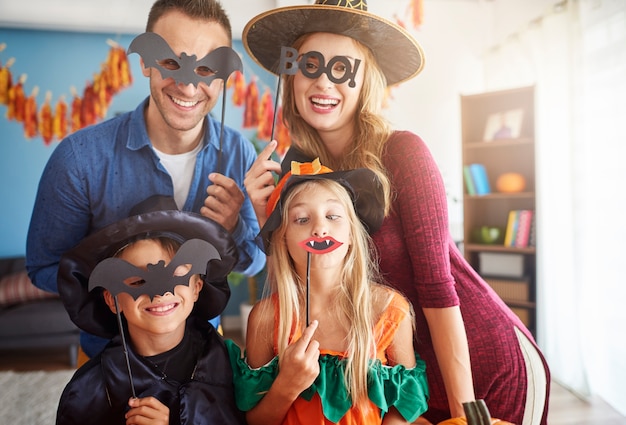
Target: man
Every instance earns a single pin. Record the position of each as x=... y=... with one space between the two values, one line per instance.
x=169 y=145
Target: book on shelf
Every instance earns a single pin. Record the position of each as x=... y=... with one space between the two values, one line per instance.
x=523 y=229
x=532 y=239
x=519 y=229
x=509 y=234
x=469 y=181
x=481 y=181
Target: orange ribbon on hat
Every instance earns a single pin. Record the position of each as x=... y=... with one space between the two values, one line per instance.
x=297 y=169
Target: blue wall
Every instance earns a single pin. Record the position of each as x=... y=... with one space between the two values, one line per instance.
x=55 y=61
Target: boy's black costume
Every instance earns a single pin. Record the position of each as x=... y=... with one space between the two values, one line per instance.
x=193 y=379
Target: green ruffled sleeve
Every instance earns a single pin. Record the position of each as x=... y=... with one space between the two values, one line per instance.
x=250 y=384
x=405 y=389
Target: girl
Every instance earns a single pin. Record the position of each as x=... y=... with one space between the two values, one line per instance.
x=354 y=363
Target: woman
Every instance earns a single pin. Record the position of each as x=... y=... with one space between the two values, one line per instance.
x=473 y=344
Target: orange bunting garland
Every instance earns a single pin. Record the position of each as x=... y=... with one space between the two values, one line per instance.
x=266 y=116
x=46 y=120
x=88 y=106
x=93 y=106
x=59 y=123
x=414 y=12
x=30 y=115
x=76 y=123
x=251 y=106
x=239 y=88
x=16 y=100
x=6 y=81
x=281 y=134
x=259 y=113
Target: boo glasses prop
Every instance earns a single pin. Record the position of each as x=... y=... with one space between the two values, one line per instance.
x=312 y=65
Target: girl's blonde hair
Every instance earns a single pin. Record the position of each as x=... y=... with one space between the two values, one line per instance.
x=371 y=130
x=355 y=297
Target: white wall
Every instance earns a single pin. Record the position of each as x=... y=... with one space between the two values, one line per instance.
x=126 y=16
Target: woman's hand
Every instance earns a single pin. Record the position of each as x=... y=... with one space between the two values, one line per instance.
x=259 y=181
x=147 y=410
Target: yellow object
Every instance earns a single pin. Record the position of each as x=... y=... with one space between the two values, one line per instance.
x=511 y=183
x=82 y=358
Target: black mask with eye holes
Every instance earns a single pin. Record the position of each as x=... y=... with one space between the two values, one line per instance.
x=156 y=53
x=338 y=70
x=113 y=274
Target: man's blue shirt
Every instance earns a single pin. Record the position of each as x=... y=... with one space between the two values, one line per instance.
x=96 y=175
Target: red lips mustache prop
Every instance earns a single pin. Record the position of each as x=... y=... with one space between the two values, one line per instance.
x=320 y=245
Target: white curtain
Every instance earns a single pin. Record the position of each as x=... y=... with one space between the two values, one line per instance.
x=575 y=56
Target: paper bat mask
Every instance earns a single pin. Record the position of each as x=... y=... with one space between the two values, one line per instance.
x=156 y=53
x=157 y=279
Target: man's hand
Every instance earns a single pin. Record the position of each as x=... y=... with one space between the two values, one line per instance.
x=223 y=202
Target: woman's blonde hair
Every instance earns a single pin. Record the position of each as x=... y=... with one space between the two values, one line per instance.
x=371 y=129
x=355 y=297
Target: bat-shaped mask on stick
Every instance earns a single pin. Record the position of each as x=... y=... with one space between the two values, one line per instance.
x=117 y=275
x=186 y=69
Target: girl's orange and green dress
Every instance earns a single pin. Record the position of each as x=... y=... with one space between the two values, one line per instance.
x=327 y=400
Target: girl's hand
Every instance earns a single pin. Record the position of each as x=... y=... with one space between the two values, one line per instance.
x=147 y=410
x=259 y=181
x=299 y=365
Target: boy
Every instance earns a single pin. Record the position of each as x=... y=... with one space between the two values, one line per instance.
x=150 y=283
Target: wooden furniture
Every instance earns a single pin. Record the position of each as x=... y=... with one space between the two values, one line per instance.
x=34 y=323
x=514 y=152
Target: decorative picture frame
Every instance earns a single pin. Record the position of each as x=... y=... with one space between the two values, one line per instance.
x=504 y=125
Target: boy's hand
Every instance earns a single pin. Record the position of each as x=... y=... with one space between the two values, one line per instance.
x=223 y=202
x=147 y=410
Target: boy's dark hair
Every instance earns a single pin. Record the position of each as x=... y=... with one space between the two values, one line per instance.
x=209 y=10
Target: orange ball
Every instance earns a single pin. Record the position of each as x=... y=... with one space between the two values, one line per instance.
x=511 y=183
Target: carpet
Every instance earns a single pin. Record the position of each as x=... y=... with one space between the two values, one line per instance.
x=31 y=398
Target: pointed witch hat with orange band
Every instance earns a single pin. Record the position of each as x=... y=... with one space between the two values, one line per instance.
x=362 y=184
